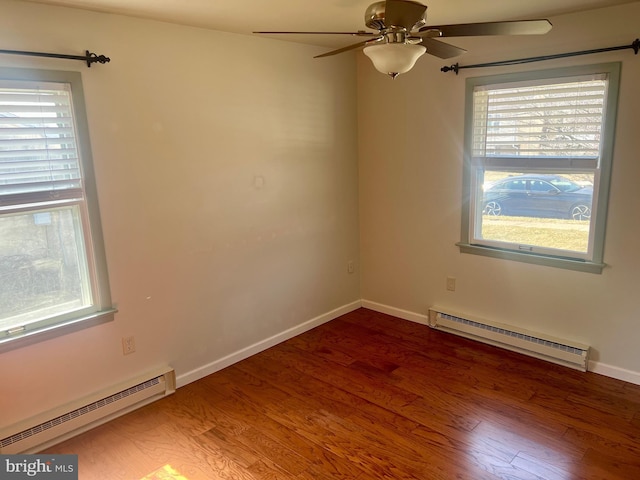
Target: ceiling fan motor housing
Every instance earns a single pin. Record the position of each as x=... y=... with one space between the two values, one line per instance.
x=374 y=17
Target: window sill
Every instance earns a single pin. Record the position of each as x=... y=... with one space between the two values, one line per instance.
x=28 y=337
x=545 y=260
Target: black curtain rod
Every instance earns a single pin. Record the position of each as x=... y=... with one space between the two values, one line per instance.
x=88 y=56
x=456 y=67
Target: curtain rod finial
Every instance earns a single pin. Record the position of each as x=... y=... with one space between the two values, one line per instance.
x=455 y=68
x=93 y=58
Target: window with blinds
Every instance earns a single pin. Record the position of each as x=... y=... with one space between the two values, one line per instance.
x=52 y=266
x=38 y=151
x=538 y=151
x=534 y=119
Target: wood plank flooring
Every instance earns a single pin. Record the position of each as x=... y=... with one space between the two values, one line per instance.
x=369 y=397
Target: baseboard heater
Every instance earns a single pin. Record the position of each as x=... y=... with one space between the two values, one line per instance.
x=37 y=433
x=545 y=347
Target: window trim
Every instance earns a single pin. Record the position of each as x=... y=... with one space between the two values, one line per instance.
x=103 y=310
x=596 y=265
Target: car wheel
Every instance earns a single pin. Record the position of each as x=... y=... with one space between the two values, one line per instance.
x=492 y=208
x=580 y=211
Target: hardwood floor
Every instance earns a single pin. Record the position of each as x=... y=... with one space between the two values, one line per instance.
x=369 y=397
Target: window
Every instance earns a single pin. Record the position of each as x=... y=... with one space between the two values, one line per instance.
x=538 y=149
x=53 y=274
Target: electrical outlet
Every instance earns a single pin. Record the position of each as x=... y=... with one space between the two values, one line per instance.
x=350 y=267
x=451 y=284
x=128 y=345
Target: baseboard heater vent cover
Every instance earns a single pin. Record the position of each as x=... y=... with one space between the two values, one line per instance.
x=52 y=427
x=545 y=347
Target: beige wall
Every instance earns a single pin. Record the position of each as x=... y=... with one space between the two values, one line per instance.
x=410 y=140
x=227 y=176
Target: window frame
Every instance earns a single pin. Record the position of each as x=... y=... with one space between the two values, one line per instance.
x=594 y=264
x=101 y=309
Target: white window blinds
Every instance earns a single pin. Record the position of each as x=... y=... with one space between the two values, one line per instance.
x=38 y=149
x=532 y=119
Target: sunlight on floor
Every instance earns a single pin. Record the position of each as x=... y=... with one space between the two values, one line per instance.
x=165 y=473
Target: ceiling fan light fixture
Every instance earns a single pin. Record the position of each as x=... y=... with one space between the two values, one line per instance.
x=394 y=58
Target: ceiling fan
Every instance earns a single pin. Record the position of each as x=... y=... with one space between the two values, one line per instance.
x=403 y=35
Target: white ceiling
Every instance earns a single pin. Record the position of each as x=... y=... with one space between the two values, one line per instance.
x=245 y=16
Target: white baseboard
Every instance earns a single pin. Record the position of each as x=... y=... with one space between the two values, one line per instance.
x=201 y=372
x=186 y=378
x=595 y=367
x=396 y=312
x=615 y=372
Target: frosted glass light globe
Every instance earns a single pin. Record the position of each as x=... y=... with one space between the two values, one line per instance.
x=394 y=58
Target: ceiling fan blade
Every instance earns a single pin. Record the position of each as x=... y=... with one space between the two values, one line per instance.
x=518 y=27
x=350 y=47
x=359 y=33
x=441 y=49
x=403 y=13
